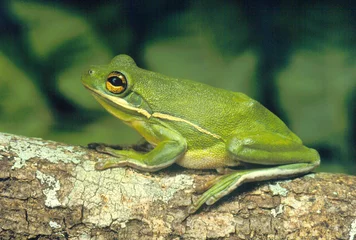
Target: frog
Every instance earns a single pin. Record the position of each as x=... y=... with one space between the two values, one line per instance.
x=196 y=126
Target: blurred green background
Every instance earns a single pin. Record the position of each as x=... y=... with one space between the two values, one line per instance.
x=298 y=59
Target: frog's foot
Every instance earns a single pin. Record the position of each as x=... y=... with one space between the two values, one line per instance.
x=219 y=187
x=109 y=150
x=121 y=158
x=116 y=162
x=204 y=187
x=113 y=150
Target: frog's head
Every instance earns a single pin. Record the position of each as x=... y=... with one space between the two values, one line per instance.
x=112 y=86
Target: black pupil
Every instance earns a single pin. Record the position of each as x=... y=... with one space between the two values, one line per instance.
x=116 y=81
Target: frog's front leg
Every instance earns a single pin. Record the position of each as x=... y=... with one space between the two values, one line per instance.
x=170 y=147
x=285 y=157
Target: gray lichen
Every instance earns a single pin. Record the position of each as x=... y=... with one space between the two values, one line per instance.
x=114 y=194
x=353 y=230
x=30 y=148
x=278 y=190
x=50 y=192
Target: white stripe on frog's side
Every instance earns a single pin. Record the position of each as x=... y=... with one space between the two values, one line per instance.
x=177 y=119
x=122 y=103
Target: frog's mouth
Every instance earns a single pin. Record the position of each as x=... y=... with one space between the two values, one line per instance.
x=114 y=104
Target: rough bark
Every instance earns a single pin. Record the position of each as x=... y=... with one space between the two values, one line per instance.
x=50 y=190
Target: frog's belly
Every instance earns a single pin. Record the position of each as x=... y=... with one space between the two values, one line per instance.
x=206 y=159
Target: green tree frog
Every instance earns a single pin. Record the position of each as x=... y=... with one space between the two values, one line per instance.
x=196 y=126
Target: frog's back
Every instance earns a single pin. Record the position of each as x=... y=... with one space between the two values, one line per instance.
x=216 y=110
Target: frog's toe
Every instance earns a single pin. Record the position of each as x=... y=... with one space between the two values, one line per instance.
x=100 y=166
x=205 y=186
x=111 y=163
x=102 y=148
x=192 y=209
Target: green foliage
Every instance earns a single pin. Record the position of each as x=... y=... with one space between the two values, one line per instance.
x=23 y=109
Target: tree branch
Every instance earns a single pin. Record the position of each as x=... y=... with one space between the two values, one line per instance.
x=51 y=190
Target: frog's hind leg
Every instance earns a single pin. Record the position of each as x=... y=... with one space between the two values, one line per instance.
x=223 y=185
x=268 y=148
x=283 y=157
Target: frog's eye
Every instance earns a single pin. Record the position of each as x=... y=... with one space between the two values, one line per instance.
x=116 y=82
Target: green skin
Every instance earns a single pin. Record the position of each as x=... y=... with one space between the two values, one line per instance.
x=197 y=126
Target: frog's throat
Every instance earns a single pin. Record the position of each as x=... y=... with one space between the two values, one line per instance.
x=124 y=104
